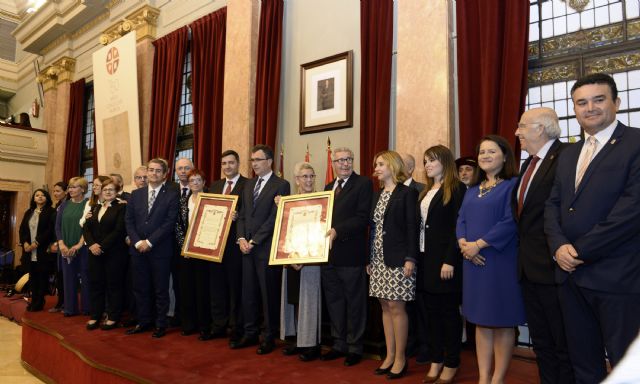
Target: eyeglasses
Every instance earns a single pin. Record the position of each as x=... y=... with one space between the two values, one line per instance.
x=307 y=177
x=344 y=160
x=257 y=160
x=155 y=170
x=140 y=177
x=108 y=190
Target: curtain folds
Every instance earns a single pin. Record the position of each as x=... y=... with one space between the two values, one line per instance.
x=492 y=68
x=268 y=72
x=74 y=130
x=168 y=63
x=208 y=37
x=376 y=40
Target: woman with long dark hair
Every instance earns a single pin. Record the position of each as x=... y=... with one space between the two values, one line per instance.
x=439 y=280
x=487 y=236
x=36 y=234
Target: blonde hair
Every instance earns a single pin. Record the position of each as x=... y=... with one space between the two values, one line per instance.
x=81 y=182
x=395 y=163
x=298 y=168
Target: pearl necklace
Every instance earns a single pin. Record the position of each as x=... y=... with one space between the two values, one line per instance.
x=485 y=189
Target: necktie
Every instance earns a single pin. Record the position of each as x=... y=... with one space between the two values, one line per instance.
x=185 y=191
x=256 y=190
x=339 y=187
x=525 y=182
x=152 y=199
x=590 y=149
x=228 y=190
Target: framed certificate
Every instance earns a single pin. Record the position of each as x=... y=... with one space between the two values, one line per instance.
x=209 y=226
x=299 y=234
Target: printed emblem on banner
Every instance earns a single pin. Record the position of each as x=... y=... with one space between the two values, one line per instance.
x=113 y=59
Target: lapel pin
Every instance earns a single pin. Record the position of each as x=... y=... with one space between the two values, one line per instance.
x=613 y=141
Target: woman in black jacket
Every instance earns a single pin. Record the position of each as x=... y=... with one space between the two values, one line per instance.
x=36 y=234
x=394 y=252
x=104 y=232
x=439 y=282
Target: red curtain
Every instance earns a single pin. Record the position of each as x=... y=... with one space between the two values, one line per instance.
x=95 y=143
x=74 y=131
x=376 y=40
x=492 y=68
x=268 y=72
x=208 y=36
x=168 y=63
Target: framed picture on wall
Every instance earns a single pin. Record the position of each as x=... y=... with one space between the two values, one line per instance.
x=300 y=232
x=207 y=234
x=326 y=93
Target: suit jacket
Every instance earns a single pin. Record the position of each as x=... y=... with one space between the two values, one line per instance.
x=400 y=227
x=219 y=187
x=601 y=219
x=255 y=221
x=109 y=232
x=351 y=210
x=535 y=260
x=157 y=225
x=441 y=244
x=417 y=185
x=44 y=234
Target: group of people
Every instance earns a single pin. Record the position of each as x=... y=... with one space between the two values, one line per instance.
x=553 y=245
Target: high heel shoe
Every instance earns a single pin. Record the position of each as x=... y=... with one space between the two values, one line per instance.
x=382 y=371
x=428 y=379
x=449 y=380
x=393 y=376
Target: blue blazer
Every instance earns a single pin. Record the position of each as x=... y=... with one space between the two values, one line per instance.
x=601 y=219
x=158 y=225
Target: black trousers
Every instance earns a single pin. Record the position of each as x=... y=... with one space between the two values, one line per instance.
x=595 y=320
x=195 y=312
x=38 y=280
x=444 y=326
x=345 y=292
x=151 y=288
x=225 y=282
x=107 y=273
x=546 y=328
x=260 y=286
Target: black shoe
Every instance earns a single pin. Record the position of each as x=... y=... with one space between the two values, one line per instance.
x=207 y=335
x=159 y=332
x=291 y=350
x=93 y=326
x=310 y=354
x=382 y=371
x=266 y=347
x=393 y=376
x=138 y=329
x=244 y=342
x=352 y=359
x=332 y=355
x=187 y=332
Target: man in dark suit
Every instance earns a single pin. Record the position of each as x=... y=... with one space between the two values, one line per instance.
x=260 y=282
x=343 y=279
x=225 y=279
x=121 y=194
x=538 y=131
x=150 y=219
x=410 y=163
x=592 y=223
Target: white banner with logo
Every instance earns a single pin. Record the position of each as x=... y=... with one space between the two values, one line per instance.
x=115 y=89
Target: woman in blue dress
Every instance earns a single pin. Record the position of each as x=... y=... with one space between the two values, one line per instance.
x=486 y=233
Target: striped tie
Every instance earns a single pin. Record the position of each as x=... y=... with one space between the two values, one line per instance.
x=152 y=199
x=256 y=190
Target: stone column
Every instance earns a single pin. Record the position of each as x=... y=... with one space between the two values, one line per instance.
x=240 y=79
x=424 y=103
x=56 y=80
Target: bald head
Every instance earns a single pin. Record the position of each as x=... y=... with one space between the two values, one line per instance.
x=536 y=127
x=409 y=162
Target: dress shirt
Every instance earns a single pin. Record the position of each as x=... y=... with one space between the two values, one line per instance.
x=602 y=137
x=264 y=178
x=344 y=182
x=542 y=153
x=234 y=181
x=408 y=182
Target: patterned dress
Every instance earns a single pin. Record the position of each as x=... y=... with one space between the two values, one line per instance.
x=387 y=282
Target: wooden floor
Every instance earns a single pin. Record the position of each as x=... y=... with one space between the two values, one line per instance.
x=11 y=371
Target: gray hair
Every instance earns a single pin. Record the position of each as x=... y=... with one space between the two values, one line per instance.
x=343 y=149
x=549 y=119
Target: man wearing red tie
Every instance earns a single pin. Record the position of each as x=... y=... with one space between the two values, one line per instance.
x=538 y=132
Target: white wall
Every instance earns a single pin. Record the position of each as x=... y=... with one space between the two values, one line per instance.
x=314 y=30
